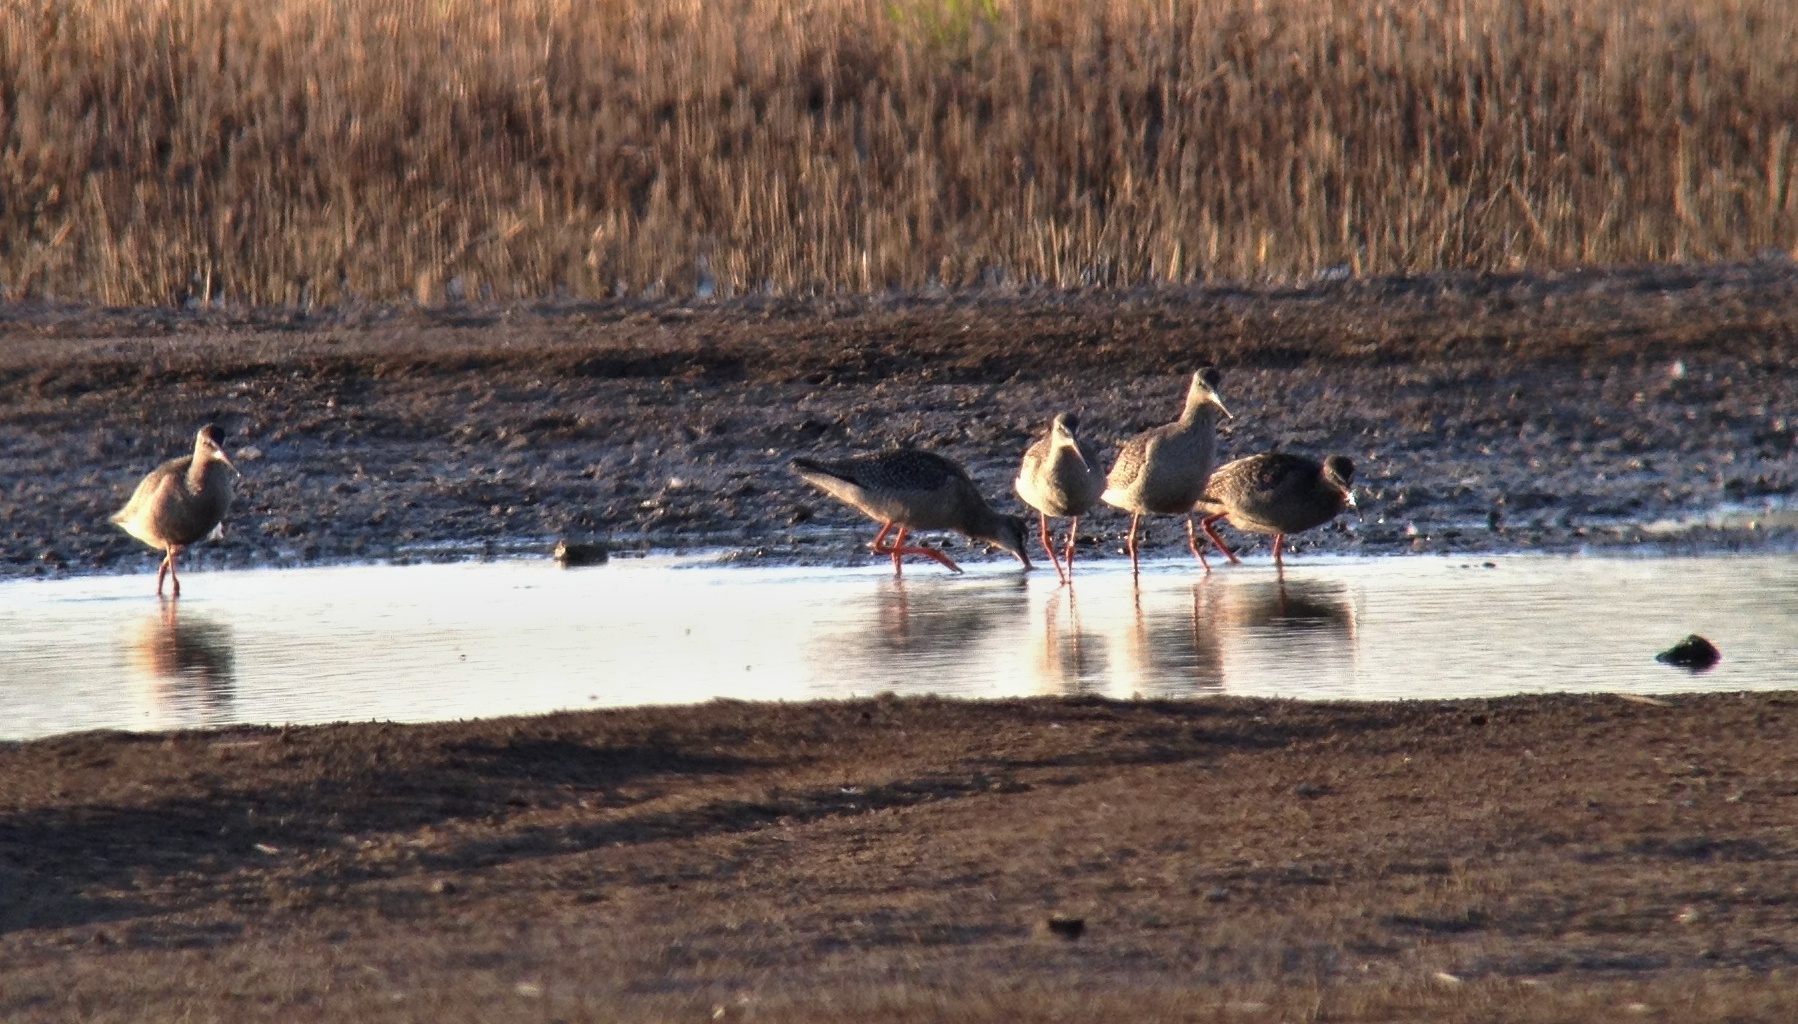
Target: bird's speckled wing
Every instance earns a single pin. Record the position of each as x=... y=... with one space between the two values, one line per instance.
x=903 y=469
x=1036 y=455
x=145 y=495
x=1264 y=475
x=1133 y=457
x=918 y=489
x=867 y=481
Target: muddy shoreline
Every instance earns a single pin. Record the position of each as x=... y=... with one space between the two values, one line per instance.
x=1528 y=859
x=1531 y=859
x=1626 y=408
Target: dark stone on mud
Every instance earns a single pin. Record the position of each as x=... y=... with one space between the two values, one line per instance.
x=1694 y=653
x=575 y=553
x=1062 y=926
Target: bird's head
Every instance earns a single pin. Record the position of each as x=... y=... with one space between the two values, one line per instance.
x=1061 y=434
x=1010 y=534
x=209 y=443
x=1204 y=391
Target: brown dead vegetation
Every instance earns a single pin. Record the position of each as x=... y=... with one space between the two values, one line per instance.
x=301 y=152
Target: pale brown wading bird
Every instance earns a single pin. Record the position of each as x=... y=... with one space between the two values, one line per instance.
x=1060 y=477
x=908 y=489
x=1277 y=493
x=1164 y=470
x=182 y=501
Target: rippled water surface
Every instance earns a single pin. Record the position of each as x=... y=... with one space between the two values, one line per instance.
x=425 y=642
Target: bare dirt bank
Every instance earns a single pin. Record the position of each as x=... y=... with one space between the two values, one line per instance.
x=1547 y=858
x=1484 y=413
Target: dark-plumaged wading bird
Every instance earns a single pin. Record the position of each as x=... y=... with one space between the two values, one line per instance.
x=1060 y=477
x=181 y=502
x=1277 y=493
x=1163 y=471
x=908 y=489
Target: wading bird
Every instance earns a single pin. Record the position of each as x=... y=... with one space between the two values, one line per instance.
x=1277 y=493
x=1060 y=477
x=181 y=502
x=907 y=489
x=1164 y=470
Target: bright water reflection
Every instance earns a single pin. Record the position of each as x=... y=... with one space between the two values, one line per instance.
x=452 y=641
x=183 y=664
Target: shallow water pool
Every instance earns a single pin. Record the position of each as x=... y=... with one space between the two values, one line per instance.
x=425 y=642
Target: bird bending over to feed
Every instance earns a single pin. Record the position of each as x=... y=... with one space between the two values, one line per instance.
x=1164 y=470
x=182 y=501
x=1277 y=493
x=908 y=489
x=1060 y=477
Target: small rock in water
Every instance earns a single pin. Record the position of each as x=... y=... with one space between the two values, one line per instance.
x=1066 y=927
x=1694 y=653
x=573 y=553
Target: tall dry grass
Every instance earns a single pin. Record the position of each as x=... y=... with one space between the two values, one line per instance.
x=307 y=150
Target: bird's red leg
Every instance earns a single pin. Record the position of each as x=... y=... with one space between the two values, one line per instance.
x=1279 y=542
x=890 y=549
x=174 y=577
x=162 y=571
x=1042 y=521
x=1205 y=524
x=1073 y=528
x=1131 y=542
x=1192 y=541
x=934 y=553
x=898 y=549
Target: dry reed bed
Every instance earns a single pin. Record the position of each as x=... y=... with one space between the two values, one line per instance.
x=303 y=151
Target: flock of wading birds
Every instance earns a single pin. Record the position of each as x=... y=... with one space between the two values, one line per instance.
x=1168 y=470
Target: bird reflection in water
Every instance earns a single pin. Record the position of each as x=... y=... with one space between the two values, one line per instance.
x=941 y=620
x=1292 y=631
x=1294 y=605
x=1070 y=660
x=1174 y=650
x=185 y=669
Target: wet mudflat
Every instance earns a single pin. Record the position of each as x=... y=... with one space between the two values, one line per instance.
x=432 y=642
x=1526 y=858
x=1558 y=412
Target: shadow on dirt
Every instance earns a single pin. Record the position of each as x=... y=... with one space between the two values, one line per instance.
x=327 y=808
x=54 y=859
